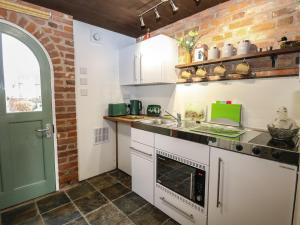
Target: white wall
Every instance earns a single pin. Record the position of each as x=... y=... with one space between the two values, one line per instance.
x=101 y=62
x=260 y=98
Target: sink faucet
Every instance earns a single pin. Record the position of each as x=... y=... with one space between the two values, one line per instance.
x=178 y=118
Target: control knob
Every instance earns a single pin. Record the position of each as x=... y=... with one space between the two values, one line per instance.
x=276 y=155
x=256 y=150
x=239 y=147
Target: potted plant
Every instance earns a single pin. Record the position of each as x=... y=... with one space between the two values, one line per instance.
x=188 y=43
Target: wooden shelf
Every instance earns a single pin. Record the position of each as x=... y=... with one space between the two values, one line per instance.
x=284 y=72
x=273 y=54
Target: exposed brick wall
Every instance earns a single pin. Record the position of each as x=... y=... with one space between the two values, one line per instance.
x=56 y=35
x=263 y=22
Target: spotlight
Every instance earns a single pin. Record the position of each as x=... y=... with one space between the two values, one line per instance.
x=174 y=7
x=157 y=16
x=142 y=22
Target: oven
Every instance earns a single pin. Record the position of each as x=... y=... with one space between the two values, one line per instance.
x=182 y=176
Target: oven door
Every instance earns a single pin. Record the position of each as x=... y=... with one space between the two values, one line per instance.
x=181 y=176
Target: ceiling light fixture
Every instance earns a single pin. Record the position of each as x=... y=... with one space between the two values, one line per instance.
x=142 y=22
x=157 y=16
x=155 y=9
x=174 y=7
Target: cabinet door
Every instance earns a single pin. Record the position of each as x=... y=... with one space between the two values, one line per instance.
x=129 y=65
x=142 y=176
x=246 y=190
x=151 y=62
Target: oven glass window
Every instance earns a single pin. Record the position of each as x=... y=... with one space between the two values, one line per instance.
x=183 y=179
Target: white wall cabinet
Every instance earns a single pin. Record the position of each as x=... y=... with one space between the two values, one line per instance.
x=142 y=163
x=249 y=191
x=148 y=62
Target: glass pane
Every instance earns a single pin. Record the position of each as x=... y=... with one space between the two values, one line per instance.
x=21 y=77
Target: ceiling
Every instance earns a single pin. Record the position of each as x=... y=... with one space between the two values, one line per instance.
x=122 y=15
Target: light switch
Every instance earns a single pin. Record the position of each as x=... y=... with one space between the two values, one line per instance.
x=83 y=70
x=83 y=81
x=83 y=92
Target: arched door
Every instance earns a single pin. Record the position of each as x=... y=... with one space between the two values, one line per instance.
x=27 y=166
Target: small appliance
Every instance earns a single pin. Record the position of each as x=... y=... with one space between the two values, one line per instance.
x=153 y=110
x=119 y=109
x=135 y=107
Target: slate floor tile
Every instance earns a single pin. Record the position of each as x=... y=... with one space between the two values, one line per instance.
x=79 y=221
x=102 y=181
x=37 y=220
x=115 y=191
x=123 y=177
x=130 y=203
x=108 y=215
x=61 y=215
x=20 y=214
x=80 y=190
x=148 y=215
x=90 y=202
x=126 y=221
x=52 y=201
x=171 y=222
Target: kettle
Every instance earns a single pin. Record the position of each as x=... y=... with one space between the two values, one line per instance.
x=135 y=107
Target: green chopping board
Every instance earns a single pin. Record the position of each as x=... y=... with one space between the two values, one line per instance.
x=229 y=114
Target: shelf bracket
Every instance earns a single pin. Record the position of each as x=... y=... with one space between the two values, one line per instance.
x=274 y=59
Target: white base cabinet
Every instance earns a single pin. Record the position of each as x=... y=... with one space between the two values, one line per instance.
x=142 y=163
x=245 y=190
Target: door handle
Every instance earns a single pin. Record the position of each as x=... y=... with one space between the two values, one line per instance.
x=46 y=131
x=141 y=68
x=139 y=151
x=219 y=181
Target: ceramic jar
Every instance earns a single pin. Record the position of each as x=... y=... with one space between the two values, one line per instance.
x=228 y=50
x=244 y=47
x=213 y=53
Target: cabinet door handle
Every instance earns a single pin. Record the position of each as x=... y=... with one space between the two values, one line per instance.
x=141 y=68
x=147 y=154
x=219 y=181
x=134 y=68
x=188 y=216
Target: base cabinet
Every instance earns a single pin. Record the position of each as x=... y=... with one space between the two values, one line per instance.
x=245 y=190
x=142 y=177
x=142 y=163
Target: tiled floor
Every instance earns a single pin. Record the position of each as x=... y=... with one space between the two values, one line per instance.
x=103 y=200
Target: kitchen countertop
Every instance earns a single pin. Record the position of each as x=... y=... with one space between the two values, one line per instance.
x=241 y=144
x=125 y=119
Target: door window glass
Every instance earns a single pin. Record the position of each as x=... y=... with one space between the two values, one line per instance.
x=21 y=77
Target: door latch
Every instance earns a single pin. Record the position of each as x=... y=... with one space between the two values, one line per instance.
x=48 y=131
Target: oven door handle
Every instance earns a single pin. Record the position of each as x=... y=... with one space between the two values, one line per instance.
x=219 y=183
x=188 y=216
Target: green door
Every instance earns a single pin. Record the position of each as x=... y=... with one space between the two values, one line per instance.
x=27 y=166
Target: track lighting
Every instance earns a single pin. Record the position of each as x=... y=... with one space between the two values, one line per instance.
x=157 y=16
x=155 y=9
x=174 y=7
x=142 y=22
